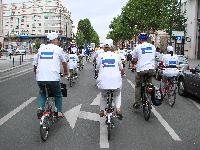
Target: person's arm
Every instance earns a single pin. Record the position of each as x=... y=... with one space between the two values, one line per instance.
x=64 y=63
x=35 y=63
x=134 y=56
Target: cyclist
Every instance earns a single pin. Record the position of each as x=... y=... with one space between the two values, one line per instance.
x=122 y=55
x=81 y=55
x=73 y=62
x=110 y=70
x=101 y=50
x=47 y=68
x=144 y=55
x=170 y=62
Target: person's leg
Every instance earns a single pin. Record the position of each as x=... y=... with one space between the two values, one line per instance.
x=137 y=90
x=55 y=86
x=117 y=99
x=102 y=102
x=42 y=95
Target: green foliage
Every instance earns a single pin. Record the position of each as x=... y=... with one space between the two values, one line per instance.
x=86 y=33
x=147 y=16
x=37 y=44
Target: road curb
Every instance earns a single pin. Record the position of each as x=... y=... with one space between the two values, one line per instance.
x=19 y=66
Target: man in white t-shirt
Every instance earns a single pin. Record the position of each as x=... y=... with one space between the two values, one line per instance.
x=110 y=69
x=144 y=55
x=73 y=63
x=47 y=68
x=170 y=62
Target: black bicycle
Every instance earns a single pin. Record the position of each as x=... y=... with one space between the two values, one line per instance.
x=147 y=92
x=110 y=112
x=95 y=71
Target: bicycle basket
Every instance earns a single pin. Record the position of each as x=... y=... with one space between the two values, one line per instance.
x=63 y=89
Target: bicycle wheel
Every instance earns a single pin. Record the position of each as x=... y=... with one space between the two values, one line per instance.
x=70 y=81
x=146 y=107
x=171 y=94
x=109 y=130
x=44 y=129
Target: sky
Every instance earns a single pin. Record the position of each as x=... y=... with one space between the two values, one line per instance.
x=99 y=12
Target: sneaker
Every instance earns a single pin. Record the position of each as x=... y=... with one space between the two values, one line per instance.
x=119 y=115
x=39 y=113
x=60 y=115
x=101 y=113
x=136 y=105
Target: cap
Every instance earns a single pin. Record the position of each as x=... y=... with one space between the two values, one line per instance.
x=51 y=36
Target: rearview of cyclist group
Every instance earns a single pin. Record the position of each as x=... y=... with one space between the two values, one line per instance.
x=109 y=71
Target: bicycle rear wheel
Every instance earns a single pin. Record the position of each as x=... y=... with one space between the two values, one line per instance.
x=44 y=129
x=109 y=130
x=70 y=81
x=172 y=95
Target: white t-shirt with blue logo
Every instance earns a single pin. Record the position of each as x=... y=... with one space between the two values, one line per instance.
x=109 y=65
x=121 y=53
x=170 y=62
x=48 y=61
x=73 y=61
x=145 y=53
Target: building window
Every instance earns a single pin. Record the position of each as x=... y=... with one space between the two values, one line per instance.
x=27 y=25
x=46 y=31
x=39 y=24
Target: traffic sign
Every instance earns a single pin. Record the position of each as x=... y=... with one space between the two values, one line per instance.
x=179 y=39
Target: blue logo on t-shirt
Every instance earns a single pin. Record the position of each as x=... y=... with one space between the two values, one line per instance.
x=46 y=55
x=108 y=62
x=146 y=50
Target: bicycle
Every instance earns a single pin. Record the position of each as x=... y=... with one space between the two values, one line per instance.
x=71 y=76
x=169 y=90
x=50 y=115
x=95 y=71
x=80 y=67
x=147 y=91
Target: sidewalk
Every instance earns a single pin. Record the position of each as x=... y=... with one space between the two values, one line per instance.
x=6 y=63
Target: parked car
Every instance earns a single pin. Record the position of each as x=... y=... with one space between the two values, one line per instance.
x=20 y=51
x=189 y=82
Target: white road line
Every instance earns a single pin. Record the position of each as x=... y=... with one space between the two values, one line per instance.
x=89 y=116
x=96 y=101
x=133 y=86
x=166 y=125
x=16 y=110
x=162 y=121
x=23 y=73
x=103 y=134
x=196 y=104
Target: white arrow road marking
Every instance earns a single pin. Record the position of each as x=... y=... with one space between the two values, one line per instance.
x=16 y=110
x=72 y=115
x=162 y=121
x=96 y=101
x=103 y=134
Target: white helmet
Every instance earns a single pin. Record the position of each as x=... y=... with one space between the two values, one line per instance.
x=170 y=48
x=51 y=36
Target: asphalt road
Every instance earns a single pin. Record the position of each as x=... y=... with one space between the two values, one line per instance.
x=168 y=128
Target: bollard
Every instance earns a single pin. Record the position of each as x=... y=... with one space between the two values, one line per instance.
x=13 y=62
x=20 y=60
x=10 y=56
x=22 y=57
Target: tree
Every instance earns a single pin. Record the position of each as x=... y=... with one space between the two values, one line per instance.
x=147 y=16
x=86 y=32
x=80 y=39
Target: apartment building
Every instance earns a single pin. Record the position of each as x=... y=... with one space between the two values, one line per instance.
x=28 y=21
x=192 y=37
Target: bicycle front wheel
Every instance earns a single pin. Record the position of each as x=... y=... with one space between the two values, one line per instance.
x=44 y=129
x=146 y=110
